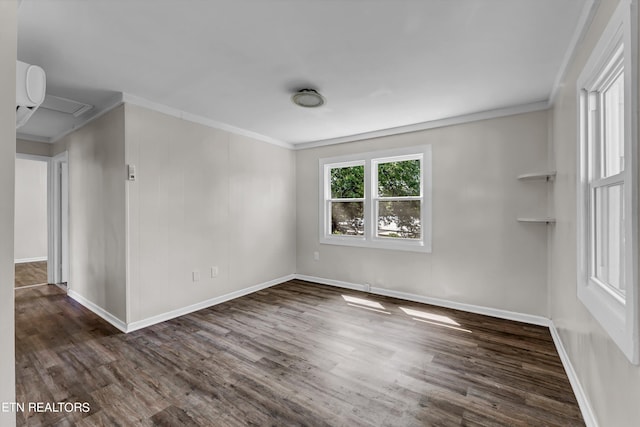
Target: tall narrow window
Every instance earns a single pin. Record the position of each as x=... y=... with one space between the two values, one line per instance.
x=607 y=184
x=607 y=177
x=378 y=199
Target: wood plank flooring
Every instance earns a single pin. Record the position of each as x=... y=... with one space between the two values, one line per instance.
x=294 y=354
x=31 y=273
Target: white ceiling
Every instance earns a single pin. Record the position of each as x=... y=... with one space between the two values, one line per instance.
x=380 y=64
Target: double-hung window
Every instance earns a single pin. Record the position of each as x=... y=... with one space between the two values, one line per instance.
x=607 y=184
x=377 y=199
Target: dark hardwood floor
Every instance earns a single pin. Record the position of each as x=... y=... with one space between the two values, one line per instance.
x=31 y=273
x=295 y=354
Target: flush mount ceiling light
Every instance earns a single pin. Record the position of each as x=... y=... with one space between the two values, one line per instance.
x=308 y=98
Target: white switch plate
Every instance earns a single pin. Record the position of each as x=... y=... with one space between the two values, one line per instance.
x=196 y=276
x=316 y=256
x=214 y=272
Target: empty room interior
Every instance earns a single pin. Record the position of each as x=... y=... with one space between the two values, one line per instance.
x=322 y=213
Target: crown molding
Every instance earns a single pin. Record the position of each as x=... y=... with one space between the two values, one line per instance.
x=32 y=138
x=123 y=98
x=457 y=120
x=194 y=118
x=586 y=16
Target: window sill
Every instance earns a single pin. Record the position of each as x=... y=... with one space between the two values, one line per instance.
x=361 y=242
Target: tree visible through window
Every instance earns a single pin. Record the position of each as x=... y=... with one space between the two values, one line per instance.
x=398 y=199
x=347 y=200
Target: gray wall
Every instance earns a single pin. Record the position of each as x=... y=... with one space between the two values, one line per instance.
x=481 y=254
x=611 y=383
x=8 y=39
x=203 y=197
x=97 y=212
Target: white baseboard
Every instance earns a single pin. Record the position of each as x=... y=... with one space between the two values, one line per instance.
x=98 y=310
x=581 y=397
x=470 y=308
x=36 y=259
x=487 y=311
x=134 y=326
x=331 y=282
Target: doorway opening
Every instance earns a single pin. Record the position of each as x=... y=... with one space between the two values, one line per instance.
x=41 y=226
x=31 y=221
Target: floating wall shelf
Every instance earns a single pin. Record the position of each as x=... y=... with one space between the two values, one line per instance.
x=538 y=220
x=547 y=176
x=544 y=176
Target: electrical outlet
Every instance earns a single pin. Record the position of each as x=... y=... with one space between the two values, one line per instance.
x=316 y=256
x=195 y=275
x=214 y=272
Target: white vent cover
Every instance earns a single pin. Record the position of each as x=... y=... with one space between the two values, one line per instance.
x=64 y=105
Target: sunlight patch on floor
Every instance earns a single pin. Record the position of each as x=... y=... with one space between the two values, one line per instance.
x=362 y=301
x=429 y=316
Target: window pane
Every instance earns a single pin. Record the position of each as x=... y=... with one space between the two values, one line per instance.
x=397 y=179
x=609 y=236
x=613 y=128
x=347 y=218
x=399 y=219
x=347 y=183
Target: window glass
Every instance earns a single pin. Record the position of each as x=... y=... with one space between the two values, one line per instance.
x=609 y=236
x=347 y=218
x=398 y=179
x=399 y=219
x=347 y=182
x=613 y=124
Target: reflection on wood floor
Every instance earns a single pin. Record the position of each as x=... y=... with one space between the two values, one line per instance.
x=293 y=354
x=31 y=273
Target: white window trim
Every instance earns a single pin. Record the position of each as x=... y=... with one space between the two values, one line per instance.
x=617 y=315
x=370 y=240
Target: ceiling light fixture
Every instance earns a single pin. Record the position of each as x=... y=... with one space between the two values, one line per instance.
x=308 y=98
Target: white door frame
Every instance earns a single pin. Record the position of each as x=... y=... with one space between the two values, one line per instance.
x=59 y=219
